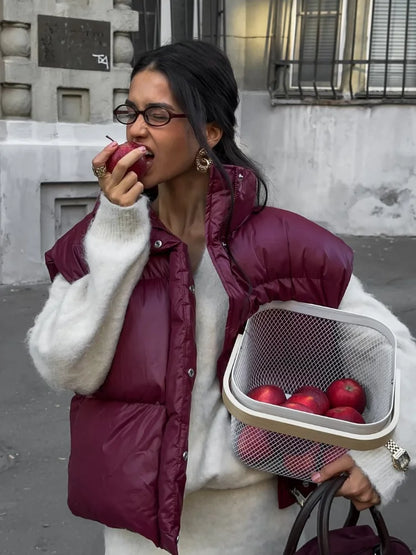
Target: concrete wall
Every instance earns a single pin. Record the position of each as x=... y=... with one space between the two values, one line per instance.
x=247 y=41
x=351 y=168
x=53 y=122
x=46 y=187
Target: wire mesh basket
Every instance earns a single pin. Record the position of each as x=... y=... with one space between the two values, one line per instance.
x=292 y=344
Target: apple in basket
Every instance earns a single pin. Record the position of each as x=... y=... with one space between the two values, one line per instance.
x=346 y=392
x=330 y=453
x=304 y=461
x=254 y=445
x=139 y=167
x=272 y=394
x=289 y=404
x=346 y=413
x=312 y=397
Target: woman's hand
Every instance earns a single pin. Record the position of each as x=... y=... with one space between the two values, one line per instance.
x=357 y=487
x=121 y=186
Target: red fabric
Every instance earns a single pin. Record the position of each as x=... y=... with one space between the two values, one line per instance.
x=127 y=467
x=354 y=540
x=285 y=496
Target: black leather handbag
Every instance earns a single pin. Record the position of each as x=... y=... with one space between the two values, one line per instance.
x=351 y=539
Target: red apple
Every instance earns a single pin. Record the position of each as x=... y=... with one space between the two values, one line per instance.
x=312 y=397
x=139 y=167
x=346 y=392
x=304 y=462
x=346 y=413
x=254 y=445
x=296 y=406
x=319 y=395
x=330 y=454
x=272 y=394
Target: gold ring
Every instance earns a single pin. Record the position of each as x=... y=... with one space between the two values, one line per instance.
x=100 y=171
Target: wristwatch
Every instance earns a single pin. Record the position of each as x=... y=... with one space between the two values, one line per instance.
x=400 y=457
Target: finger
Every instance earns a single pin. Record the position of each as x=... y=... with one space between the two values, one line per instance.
x=357 y=488
x=361 y=505
x=131 y=196
x=114 y=189
x=124 y=193
x=123 y=165
x=356 y=481
x=343 y=464
x=101 y=158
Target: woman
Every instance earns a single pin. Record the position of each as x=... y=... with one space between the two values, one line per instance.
x=146 y=301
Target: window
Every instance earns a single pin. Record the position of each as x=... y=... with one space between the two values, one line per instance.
x=393 y=46
x=212 y=22
x=181 y=20
x=203 y=19
x=346 y=50
x=148 y=35
x=317 y=41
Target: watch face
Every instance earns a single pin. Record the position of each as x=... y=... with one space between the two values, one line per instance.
x=402 y=462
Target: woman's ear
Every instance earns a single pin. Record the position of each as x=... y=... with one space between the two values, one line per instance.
x=213 y=134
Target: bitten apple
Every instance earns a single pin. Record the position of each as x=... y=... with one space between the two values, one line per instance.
x=254 y=445
x=139 y=167
x=346 y=413
x=312 y=397
x=272 y=394
x=346 y=392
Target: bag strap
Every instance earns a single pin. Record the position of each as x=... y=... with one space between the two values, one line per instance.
x=352 y=516
x=324 y=494
x=323 y=521
x=305 y=512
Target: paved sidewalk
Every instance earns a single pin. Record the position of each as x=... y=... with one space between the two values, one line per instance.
x=34 y=420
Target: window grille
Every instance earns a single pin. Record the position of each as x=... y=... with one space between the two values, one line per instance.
x=325 y=50
x=393 y=44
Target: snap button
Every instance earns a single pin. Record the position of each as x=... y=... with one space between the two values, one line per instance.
x=192 y=288
x=185 y=455
x=191 y=372
x=157 y=244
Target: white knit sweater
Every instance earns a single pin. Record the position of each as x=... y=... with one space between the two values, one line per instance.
x=228 y=507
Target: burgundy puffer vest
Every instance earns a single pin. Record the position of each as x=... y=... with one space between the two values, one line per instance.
x=129 y=440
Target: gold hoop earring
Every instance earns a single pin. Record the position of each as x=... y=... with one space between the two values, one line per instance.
x=202 y=161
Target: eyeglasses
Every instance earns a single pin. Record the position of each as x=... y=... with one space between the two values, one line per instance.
x=156 y=116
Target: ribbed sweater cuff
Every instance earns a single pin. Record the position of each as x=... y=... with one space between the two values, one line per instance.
x=377 y=465
x=120 y=223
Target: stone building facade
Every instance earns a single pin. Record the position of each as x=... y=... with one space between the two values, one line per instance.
x=55 y=117
x=346 y=160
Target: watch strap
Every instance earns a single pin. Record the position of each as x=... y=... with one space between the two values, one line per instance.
x=400 y=457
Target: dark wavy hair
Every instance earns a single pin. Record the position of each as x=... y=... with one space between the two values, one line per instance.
x=203 y=84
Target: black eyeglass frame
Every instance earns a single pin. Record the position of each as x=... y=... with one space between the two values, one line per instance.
x=145 y=117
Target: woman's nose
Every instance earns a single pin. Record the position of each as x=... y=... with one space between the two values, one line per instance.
x=139 y=127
